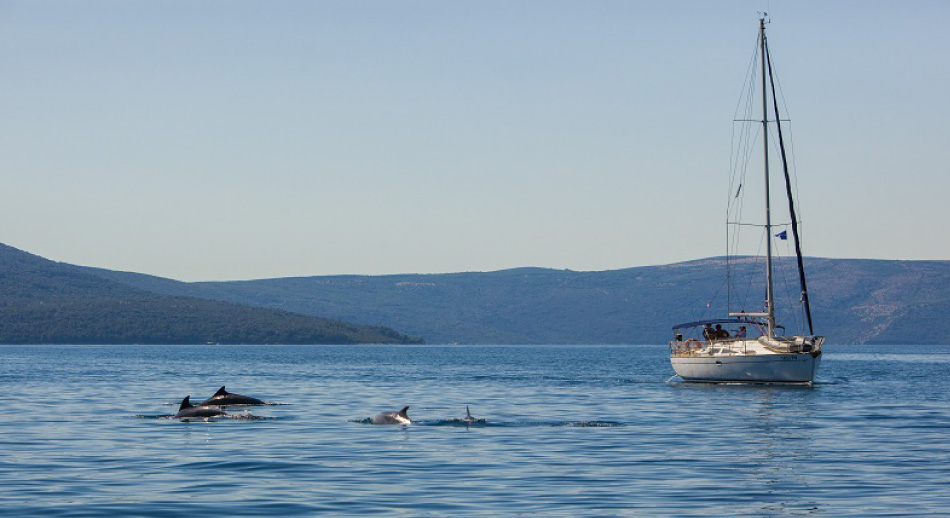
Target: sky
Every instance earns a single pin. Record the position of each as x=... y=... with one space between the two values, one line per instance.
x=237 y=139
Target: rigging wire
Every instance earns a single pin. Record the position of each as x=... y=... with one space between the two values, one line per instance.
x=790 y=144
x=798 y=317
x=743 y=147
x=746 y=138
x=788 y=187
x=790 y=299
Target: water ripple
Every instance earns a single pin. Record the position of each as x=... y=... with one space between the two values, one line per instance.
x=584 y=431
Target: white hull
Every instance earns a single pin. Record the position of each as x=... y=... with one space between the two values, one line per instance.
x=776 y=368
x=745 y=361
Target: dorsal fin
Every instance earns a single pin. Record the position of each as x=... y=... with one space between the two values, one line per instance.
x=185 y=403
x=404 y=412
x=468 y=415
x=220 y=392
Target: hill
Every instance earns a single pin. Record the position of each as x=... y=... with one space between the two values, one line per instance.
x=853 y=300
x=42 y=301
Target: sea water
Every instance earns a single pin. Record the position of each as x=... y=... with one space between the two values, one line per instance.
x=570 y=431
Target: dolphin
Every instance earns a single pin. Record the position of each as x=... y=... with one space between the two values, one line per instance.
x=224 y=398
x=469 y=420
x=189 y=411
x=400 y=417
x=468 y=416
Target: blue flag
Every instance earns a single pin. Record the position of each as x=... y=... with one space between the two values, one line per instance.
x=783 y=235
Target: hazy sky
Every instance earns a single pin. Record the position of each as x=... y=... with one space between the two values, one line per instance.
x=205 y=140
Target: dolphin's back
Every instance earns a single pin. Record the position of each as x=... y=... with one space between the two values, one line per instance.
x=400 y=417
x=187 y=410
x=468 y=419
x=223 y=398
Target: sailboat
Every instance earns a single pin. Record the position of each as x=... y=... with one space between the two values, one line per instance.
x=757 y=350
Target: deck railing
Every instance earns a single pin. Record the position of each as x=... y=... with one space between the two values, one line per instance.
x=796 y=344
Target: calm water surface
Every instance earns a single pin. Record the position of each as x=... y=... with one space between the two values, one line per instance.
x=572 y=431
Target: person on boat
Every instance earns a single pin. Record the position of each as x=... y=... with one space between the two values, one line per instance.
x=741 y=333
x=721 y=333
x=709 y=333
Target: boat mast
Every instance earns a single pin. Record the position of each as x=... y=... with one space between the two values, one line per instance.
x=769 y=305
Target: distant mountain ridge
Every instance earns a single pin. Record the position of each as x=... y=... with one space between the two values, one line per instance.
x=43 y=302
x=853 y=300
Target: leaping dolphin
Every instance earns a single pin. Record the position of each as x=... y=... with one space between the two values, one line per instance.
x=224 y=398
x=400 y=417
x=189 y=411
